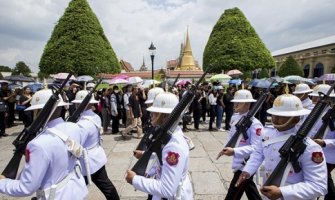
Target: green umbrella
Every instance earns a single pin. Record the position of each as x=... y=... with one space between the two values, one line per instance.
x=220 y=77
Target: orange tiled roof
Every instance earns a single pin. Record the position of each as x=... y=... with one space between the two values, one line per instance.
x=126 y=66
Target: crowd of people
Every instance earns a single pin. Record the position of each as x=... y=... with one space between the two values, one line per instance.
x=219 y=106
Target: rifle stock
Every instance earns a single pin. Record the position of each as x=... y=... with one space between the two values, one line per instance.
x=82 y=106
x=295 y=146
x=30 y=133
x=162 y=135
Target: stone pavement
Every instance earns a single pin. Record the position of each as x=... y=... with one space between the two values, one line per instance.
x=210 y=177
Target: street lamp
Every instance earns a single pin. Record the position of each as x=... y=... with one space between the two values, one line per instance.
x=152 y=51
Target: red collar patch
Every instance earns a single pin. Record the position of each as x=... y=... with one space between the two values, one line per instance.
x=317 y=157
x=27 y=155
x=258 y=131
x=172 y=158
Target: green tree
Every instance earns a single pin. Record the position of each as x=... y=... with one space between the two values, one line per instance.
x=290 y=67
x=78 y=43
x=333 y=69
x=21 y=68
x=234 y=44
x=264 y=73
x=4 y=68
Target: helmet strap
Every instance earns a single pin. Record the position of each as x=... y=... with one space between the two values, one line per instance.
x=283 y=126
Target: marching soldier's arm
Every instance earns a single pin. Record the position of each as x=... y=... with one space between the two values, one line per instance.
x=31 y=176
x=254 y=133
x=171 y=175
x=315 y=176
x=255 y=160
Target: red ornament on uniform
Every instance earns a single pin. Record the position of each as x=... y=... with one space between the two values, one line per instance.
x=258 y=131
x=27 y=155
x=172 y=158
x=317 y=157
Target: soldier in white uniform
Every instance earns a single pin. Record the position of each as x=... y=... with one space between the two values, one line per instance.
x=242 y=101
x=328 y=145
x=310 y=182
x=301 y=91
x=90 y=125
x=50 y=170
x=171 y=178
x=323 y=88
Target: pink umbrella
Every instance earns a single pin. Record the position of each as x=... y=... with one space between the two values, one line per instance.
x=121 y=76
x=118 y=81
x=234 y=72
x=62 y=76
x=182 y=82
x=327 y=77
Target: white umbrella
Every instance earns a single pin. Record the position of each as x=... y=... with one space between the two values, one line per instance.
x=84 y=78
x=148 y=83
x=135 y=80
x=62 y=76
x=116 y=81
x=234 y=72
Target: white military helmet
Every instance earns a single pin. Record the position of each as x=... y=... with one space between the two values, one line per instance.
x=321 y=88
x=153 y=93
x=80 y=96
x=243 y=96
x=41 y=97
x=302 y=88
x=288 y=105
x=164 y=103
x=90 y=85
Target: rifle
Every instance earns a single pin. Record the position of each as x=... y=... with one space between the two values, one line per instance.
x=245 y=122
x=82 y=106
x=30 y=133
x=174 y=83
x=295 y=146
x=327 y=120
x=162 y=134
x=146 y=140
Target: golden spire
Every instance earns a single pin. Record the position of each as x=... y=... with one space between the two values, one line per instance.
x=187 y=60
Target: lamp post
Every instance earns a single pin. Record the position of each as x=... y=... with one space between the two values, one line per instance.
x=152 y=51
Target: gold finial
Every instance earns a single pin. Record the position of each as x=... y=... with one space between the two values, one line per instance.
x=242 y=84
x=85 y=83
x=324 y=81
x=287 y=90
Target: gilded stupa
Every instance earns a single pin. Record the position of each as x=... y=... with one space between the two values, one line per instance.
x=186 y=60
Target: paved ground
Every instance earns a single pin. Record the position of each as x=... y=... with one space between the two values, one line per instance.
x=210 y=178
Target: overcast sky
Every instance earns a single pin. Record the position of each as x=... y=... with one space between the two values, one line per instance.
x=130 y=25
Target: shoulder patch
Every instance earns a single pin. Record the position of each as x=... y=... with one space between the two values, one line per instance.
x=172 y=158
x=317 y=157
x=27 y=155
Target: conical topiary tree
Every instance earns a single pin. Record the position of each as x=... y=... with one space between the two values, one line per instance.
x=234 y=44
x=78 y=43
x=290 y=67
x=264 y=73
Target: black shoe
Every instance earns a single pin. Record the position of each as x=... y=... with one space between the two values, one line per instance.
x=4 y=135
x=185 y=130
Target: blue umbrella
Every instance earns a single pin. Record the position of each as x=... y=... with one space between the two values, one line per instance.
x=261 y=83
x=235 y=81
x=35 y=86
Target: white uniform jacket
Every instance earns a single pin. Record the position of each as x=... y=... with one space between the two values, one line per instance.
x=307 y=103
x=329 y=150
x=245 y=147
x=90 y=124
x=173 y=172
x=48 y=162
x=309 y=183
